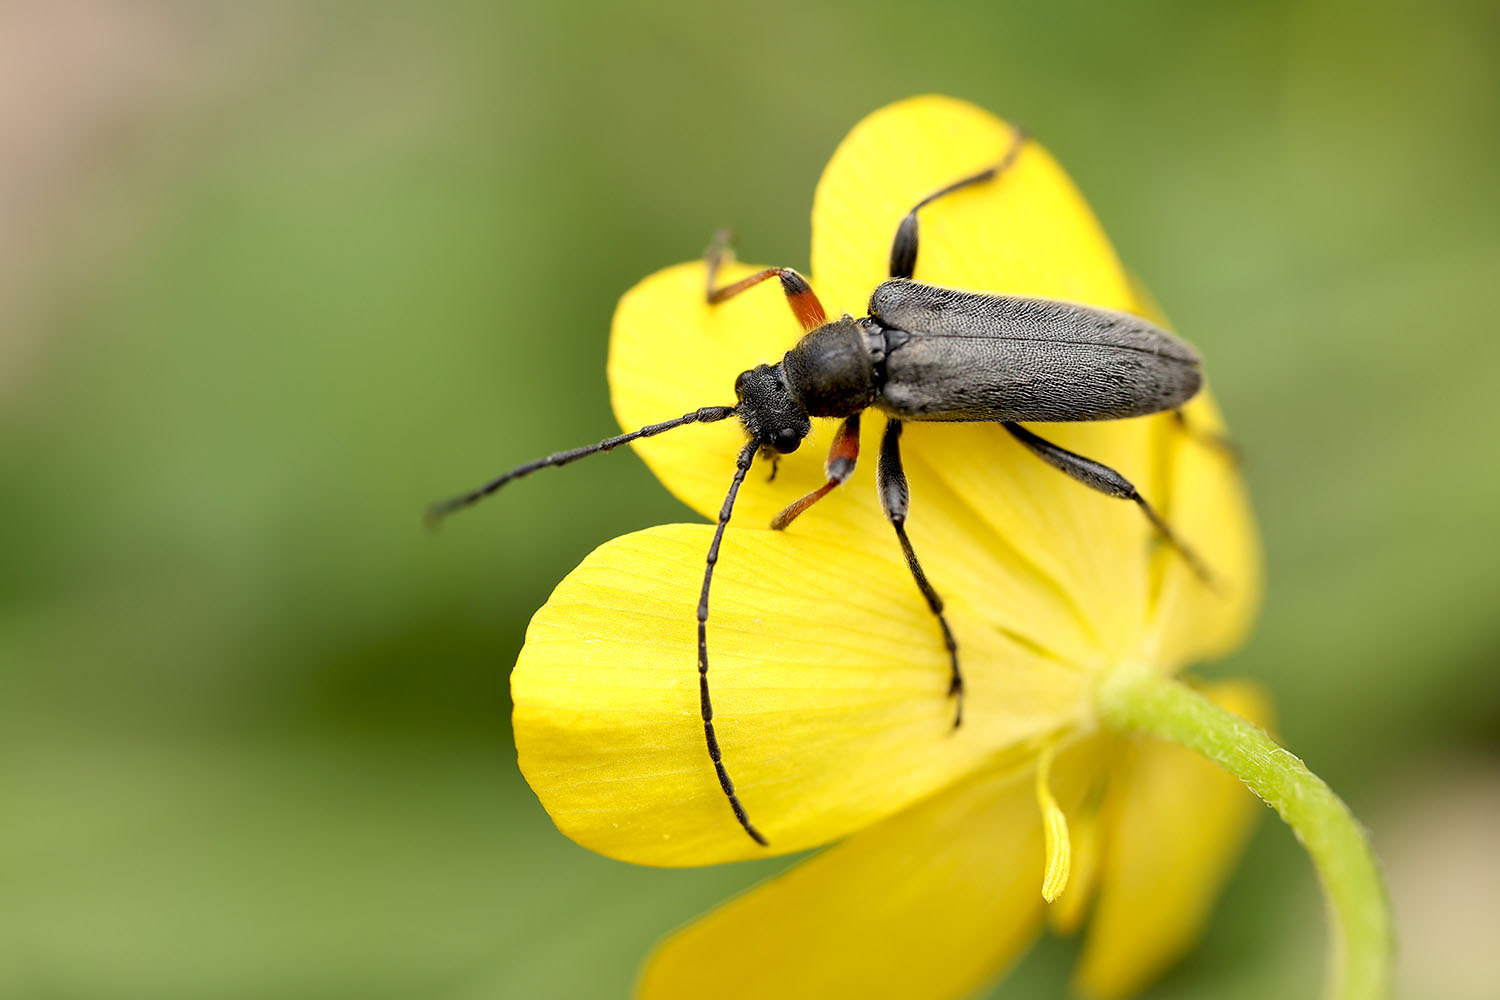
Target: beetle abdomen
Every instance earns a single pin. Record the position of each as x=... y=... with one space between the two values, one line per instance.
x=956 y=355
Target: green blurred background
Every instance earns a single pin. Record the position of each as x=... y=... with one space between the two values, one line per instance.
x=273 y=276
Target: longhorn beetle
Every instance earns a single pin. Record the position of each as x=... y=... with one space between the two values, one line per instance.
x=923 y=353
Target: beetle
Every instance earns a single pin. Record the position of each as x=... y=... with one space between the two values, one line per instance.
x=922 y=353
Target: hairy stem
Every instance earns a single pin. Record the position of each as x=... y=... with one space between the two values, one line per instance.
x=1361 y=943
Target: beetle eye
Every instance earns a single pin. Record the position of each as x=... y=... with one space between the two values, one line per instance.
x=739 y=385
x=787 y=440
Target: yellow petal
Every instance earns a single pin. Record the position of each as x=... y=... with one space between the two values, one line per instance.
x=1175 y=824
x=930 y=904
x=1083 y=556
x=1201 y=492
x=829 y=683
x=1029 y=232
x=969 y=501
x=670 y=352
x=1054 y=558
x=1206 y=503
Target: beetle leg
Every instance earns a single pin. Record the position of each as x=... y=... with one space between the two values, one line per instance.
x=1098 y=476
x=799 y=294
x=895 y=499
x=720 y=250
x=840 y=466
x=1221 y=443
x=904 y=246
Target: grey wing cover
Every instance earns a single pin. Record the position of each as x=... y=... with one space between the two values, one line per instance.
x=955 y=355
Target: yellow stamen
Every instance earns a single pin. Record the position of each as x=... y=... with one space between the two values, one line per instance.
x=1067 y=915
x=1055 y=824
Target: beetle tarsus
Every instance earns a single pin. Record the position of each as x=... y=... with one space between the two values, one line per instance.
x=1221 y=443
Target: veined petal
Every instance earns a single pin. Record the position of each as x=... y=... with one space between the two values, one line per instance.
x=929 y=904
x=1174 y=824
x=829 y=682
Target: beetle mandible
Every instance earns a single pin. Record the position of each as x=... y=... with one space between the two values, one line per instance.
x=923 y=353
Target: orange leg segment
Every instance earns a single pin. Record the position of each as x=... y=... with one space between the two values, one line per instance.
x=799 y=294
x=842 y=456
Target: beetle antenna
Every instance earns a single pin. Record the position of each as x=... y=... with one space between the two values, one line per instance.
x=741 y=467
x=706 y=415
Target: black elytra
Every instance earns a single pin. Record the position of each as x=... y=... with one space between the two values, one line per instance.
x=923 y=353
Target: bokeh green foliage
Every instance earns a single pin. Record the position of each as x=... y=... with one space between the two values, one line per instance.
x=253 y=719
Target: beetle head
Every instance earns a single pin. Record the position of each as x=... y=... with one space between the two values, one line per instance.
x=771 y=414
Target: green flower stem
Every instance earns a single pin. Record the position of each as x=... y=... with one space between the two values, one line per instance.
x=1361 y=946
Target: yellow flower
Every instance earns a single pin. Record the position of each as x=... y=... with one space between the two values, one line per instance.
x=829 y=674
